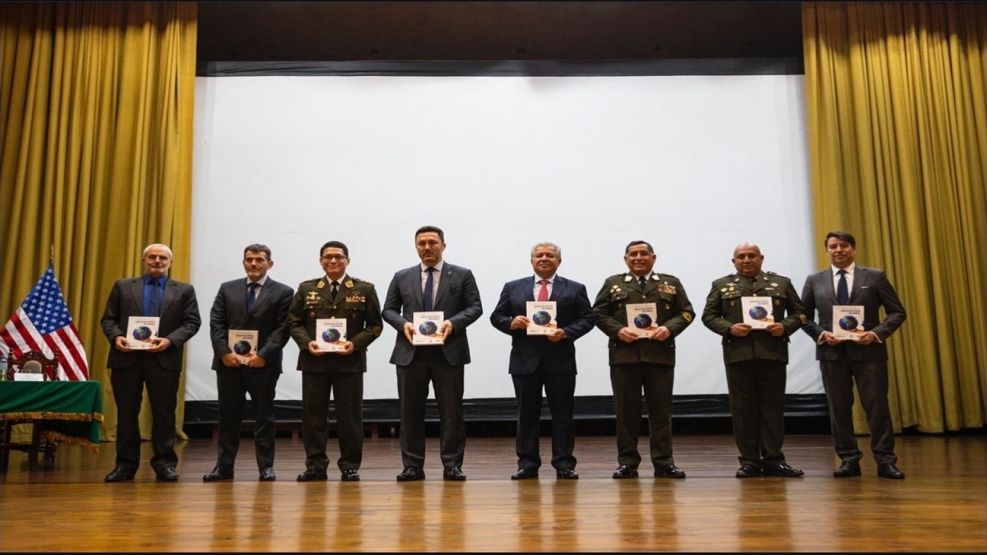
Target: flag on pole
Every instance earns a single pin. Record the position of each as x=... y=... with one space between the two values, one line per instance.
x=42 y=323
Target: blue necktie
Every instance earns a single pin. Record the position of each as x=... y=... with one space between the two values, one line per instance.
x=842 y=293
x=427 y=293
x=251 y=294
x=154 y=302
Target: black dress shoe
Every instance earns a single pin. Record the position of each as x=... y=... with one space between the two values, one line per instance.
x=669 y=471
x=847 y=469
x=781 y=469
x=350 y=475
x=120 y=474
x=525 y=474
x=411 y=474
x=312 y=476
x=167 y=474
x=453 y=473
x=267 y=475
x=624 y=472
x=566 y=474
x=218 y=475
x=890 y=471
x=749 y=471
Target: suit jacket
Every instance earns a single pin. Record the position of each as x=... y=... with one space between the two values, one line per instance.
x=457 y=297
x=674 y=312
x=356 y=301
x=724 y=308
x=268 y=317
x=872 y=290
x=179 y=320
x=574 y=315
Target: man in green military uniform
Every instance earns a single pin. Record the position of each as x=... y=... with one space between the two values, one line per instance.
x=335 y=295
x=642 y=354
x=756 y=356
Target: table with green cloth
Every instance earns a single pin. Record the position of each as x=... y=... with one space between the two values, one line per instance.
x=62 y=411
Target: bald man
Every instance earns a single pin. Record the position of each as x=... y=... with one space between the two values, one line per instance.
x=159 y=367
x=756 y=357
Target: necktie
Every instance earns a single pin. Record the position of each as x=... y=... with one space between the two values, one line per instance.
x=643 y=281
x=251 y=294
x=334 y=289
x=154 y=303
x=842 y=293
x=543 y=290
x=427 y=293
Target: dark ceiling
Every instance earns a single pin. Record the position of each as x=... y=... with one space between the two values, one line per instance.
x=305 y=31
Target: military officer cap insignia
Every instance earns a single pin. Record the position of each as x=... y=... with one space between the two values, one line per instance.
x=321 y=284
x=349 y=283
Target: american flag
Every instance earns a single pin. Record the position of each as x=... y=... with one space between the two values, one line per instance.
x=42 y=323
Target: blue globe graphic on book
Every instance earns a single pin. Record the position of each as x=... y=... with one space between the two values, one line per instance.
x=428 y=327
x=242 y=347
x=848 y=323
x=331 y=335
x=642 y=321
x=142 y=333
x=758 y=312
x=542 y=318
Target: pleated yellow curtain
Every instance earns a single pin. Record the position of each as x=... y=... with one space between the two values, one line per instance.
x=897 y=127
x=96 y=110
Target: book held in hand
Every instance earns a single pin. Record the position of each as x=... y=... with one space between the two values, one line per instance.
x=427 y=326
x=848 y=322
x=642 y=318
x=243 y=343
x=142 y=331
x=541 y=317
x=330 y=334
x=757 y=312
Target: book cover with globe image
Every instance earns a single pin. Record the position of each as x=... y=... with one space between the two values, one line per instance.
x=642 y=318
x=141 y=330
x=757 y=312
x=427 y=326
x=330 y=333
x=848 y=321
x=541 y=317
x=243 y=343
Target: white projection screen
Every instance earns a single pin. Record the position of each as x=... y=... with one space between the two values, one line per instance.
x=692 y=164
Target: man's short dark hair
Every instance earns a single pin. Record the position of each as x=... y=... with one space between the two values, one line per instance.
x=842 y=236
x=257 y=247
x=627 y=249
x=337 y=245
x=431 y=229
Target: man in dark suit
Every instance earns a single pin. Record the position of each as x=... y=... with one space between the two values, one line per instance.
x=648 y=361
x=160 y=366
x=255 y=304
x=334 y=295
x=864 y=361
x=756 y=358
x=547 y=361
x=433 y=285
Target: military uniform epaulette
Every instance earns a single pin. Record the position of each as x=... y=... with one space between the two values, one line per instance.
x=615 y=276
x=358 y=280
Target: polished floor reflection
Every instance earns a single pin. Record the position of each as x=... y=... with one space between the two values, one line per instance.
x=938 y=507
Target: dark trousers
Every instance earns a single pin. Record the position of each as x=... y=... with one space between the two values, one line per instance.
x=233 y=384
x=559 y=389
x=872 y=385
x=447 y=380
x=347 y=390
x=757 y=408
x=657 y=381
x=162 y=391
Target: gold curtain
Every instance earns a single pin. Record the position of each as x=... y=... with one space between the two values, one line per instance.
x=897 y=131
x=96 y=110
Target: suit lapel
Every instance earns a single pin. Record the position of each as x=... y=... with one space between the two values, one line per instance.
x=443 y=285
x=416 y=278
x=557 y=288
x=858 y=282
x=137 y=290
x=170 y=293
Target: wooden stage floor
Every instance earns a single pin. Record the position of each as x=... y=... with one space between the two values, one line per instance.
x=940 y=506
